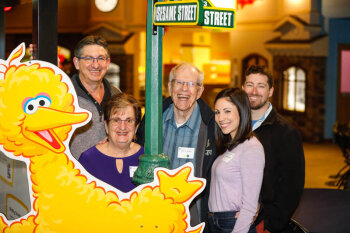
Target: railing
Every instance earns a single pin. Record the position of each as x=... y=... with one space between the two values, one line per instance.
x=342 y=138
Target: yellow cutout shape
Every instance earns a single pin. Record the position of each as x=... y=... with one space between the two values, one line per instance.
x=38 y=113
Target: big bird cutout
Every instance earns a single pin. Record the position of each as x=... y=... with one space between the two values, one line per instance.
x=38 y=113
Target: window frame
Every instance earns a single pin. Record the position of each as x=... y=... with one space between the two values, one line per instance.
x=288 y=111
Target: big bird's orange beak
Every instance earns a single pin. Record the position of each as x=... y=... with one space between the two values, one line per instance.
x=39 y=127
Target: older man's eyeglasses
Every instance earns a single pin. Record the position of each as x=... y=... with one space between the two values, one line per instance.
x=89 y=60
x=180 y=83
x=119 y=122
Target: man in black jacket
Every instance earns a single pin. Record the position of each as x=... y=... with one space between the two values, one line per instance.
x=188 y=130
x=284 y=173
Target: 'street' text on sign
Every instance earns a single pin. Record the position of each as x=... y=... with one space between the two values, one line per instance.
x=218 y=18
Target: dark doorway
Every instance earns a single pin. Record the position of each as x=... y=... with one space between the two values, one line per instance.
x=126 y=64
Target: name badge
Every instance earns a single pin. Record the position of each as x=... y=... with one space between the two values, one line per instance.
x=228 y=157
x=185 y=153
x=132 y=170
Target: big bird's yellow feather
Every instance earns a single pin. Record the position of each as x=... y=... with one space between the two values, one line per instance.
x=38 y=108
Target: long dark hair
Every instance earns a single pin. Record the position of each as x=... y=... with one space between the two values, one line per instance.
x=240 y=99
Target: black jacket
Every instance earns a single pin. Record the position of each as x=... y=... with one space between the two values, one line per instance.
x=284 y=173
x=206 y=150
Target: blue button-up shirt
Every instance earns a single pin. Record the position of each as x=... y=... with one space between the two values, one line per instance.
x=185 y=135
x=257 y=123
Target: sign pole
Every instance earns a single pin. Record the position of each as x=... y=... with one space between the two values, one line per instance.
x=153 y=156
x=171 y=13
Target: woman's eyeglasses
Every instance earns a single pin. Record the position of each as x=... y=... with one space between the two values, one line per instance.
x=118 y=121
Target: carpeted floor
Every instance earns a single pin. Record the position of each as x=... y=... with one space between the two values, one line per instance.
x=321 y=162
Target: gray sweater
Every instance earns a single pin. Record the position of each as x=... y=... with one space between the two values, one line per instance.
x=94 y=131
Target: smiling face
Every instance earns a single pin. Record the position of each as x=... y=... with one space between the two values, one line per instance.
x=258 y=90
x=183 y=94
x=227 y=116
x=121 y=127
x=92 y=71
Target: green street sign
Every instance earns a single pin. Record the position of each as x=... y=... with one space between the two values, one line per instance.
x=177 y=13
x=192 y=12
x=218 y=17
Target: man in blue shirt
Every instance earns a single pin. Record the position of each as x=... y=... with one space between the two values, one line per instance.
x=188 y=130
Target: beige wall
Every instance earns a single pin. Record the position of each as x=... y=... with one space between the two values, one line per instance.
x=336 y=8
x=82 y=17
x=263 y=11
x=254 y=26
x=176 y=39
x=246 y=42
x=260 y=11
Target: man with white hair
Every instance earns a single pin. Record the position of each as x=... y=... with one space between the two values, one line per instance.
x=188 y=130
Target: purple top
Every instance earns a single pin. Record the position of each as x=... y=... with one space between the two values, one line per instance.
x=104 y=167
x=236 y=179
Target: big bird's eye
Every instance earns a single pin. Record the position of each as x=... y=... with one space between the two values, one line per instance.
x=43 y=101
x=31 y=106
